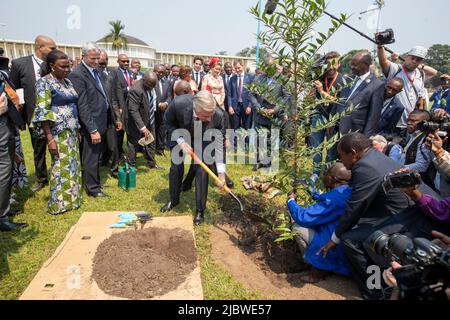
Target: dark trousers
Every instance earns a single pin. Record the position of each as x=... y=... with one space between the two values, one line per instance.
x=5 y=166
x=120 y=139
x=240 y=119
x=148 y=151
x=40 y=150
x=263 y=146
x=91 y=164
x=201 y=184
x=161 y=132
x=111 y=150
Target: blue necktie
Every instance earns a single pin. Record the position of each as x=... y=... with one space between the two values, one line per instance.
x=99 y=84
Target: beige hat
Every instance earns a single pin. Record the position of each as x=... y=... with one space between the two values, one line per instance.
x=204 y=101
x=418 y=51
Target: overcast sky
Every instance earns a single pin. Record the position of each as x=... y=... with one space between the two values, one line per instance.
x=209 y=26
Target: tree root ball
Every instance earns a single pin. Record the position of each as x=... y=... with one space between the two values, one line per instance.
x=144 y=264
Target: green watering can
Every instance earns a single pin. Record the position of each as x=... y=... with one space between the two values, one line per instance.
x=127 y=177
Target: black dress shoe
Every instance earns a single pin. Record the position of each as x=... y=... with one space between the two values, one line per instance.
x=13 y=212
x=199 y=218
x=168 y=207
x=38 y=187
x=99 y=195
x=7 y=225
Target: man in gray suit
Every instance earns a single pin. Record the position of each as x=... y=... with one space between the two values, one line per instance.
x=95 y=114
x=264 y=111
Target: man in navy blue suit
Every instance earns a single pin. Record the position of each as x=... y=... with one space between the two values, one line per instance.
x=240 y=109
x=392 y=108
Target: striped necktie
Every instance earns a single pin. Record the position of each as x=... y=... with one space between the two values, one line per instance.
x=151 y=108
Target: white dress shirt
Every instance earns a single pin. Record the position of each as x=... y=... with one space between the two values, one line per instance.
x=37 y=63
x=361 y=79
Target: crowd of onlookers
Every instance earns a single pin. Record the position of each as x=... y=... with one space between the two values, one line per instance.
x=84 y=113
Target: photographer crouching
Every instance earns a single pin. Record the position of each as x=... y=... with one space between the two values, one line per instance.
x=439 y=210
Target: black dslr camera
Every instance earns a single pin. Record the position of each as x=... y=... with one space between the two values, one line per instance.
x=401 y=180
x=385 y=37
x=442 y=128
x=425 y=271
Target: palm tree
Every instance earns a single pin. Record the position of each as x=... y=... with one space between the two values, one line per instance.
x=118 y=39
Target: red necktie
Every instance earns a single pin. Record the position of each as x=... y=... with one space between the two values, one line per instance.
x=127 y=77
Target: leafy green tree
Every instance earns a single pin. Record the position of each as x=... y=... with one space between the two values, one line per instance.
x=439 y=57
x=116 y=36
x=287 y=38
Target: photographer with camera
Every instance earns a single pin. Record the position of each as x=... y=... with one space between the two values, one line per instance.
x=418 y=155
x=414 y=74
x=442 y=163
x=328 y=87
x=419 y=269
x=441 y=96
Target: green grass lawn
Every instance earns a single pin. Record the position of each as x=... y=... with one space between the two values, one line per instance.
x=23 y=253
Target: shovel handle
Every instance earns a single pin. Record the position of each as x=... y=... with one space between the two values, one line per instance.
x=209 y=171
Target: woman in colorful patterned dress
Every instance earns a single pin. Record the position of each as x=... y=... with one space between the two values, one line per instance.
x=56 y=113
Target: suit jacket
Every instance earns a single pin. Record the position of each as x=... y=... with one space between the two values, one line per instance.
x=369 y=98
x=234 y=91
x=390 y=117
x=227 y=90
x=94 y=107
x=108 y=80
x=180 y=115
x=368 y=200
x=138 y=111
x=13 y=114
x=121 y=89
x=275 y=90
x=166 y=95
x=202 y=74
x=23 y=76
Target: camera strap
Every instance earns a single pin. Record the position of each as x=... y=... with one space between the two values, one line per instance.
x=411 y=81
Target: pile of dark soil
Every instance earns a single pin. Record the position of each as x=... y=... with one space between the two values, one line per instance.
x=257 y=240
x=145 y=263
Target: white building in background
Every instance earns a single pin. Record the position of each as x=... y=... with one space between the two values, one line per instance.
x=136 y=48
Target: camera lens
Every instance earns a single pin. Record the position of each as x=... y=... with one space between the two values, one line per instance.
x=378 y=242
x=401 y=246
